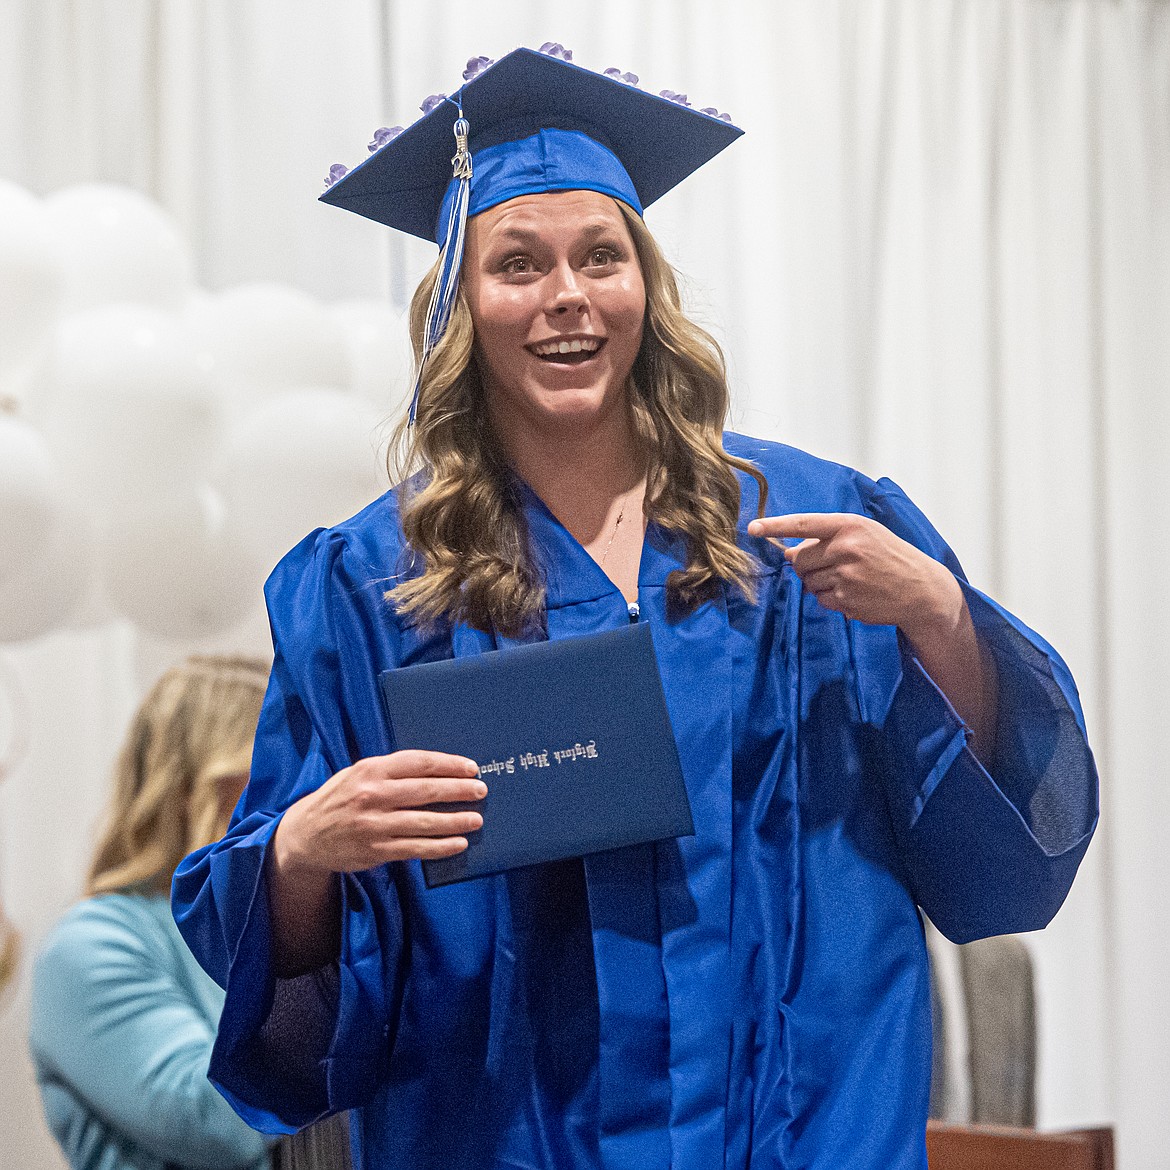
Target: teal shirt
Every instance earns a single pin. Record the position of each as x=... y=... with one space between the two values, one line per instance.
x=123 y=1021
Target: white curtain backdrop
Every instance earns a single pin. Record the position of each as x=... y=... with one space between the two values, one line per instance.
x=941 y=252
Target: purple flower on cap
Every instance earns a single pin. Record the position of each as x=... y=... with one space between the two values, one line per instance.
x=429 y=103
x=715 y=113
x=383 y=135
x=552 y=49
x=336 y=171
x=672 y=96
x=618 y=75
x=475 y=66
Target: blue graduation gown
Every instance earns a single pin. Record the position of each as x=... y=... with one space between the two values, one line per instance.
x=756 y=995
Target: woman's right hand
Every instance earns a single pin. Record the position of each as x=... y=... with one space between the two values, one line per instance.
x=372 y=812
x=378 y=810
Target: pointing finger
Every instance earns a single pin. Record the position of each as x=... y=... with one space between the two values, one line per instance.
x=802 y=525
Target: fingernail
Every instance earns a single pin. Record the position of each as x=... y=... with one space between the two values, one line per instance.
x=481 y=791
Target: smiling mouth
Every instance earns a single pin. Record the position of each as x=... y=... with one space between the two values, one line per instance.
x=568 y=352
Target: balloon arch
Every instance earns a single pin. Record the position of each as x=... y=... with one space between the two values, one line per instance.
x=160 y=445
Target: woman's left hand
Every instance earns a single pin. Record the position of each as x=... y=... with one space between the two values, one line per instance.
x=859 y=568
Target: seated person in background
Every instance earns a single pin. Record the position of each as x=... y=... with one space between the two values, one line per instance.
x=123 y=1018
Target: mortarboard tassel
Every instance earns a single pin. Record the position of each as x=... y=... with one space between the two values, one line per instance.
x=450 y=259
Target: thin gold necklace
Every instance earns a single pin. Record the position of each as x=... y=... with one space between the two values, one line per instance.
x=616 y=525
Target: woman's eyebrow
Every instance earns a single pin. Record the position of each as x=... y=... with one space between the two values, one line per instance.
x=597 y=230
x=517 y=235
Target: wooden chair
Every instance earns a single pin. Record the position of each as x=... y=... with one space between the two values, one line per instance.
x=995 y=1010
x=324 y=1146
x=993 y=1147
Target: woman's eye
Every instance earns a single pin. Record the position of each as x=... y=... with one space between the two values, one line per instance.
x=600 y=257
x=518 y=265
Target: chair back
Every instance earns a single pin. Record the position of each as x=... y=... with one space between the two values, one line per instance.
x=984 y=1001
x=324 y=1146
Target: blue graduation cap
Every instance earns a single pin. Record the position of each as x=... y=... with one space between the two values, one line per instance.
x=528 y=123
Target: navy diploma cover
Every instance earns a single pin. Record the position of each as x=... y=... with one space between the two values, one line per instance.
x=572 y=738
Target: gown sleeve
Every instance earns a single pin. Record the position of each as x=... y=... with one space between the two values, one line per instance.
x=986 y=851
x=290 y=1051
x=117 y=1039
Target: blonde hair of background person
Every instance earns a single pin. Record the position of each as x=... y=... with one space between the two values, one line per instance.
x=123 y=1020
x=176 y=777
x=465 y=523
x=9 y=949
x=16 y=742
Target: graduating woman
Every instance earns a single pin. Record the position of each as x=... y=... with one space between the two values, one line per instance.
x=861 y=732
x=123 y=1019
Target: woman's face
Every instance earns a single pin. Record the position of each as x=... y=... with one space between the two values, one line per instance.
x=557 y=299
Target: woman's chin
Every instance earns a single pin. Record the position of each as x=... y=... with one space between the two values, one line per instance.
x=563 y=403
x=556 y=401
x=577 y=410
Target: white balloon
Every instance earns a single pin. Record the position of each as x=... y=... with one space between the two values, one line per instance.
x=32 y=283
x=117 y=245
x=180 y=570
x=126 y=407
x=304 y=459
x=378 y=338
x=49 y=589
x=31 y=494
x=261 y=339
x=94 y=609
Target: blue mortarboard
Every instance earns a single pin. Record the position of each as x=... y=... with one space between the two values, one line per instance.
x=528 y=123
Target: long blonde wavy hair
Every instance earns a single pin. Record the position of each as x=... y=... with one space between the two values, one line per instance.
x=192 y=732
x=461 y=516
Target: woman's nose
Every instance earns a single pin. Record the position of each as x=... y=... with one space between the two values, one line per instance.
x=566 y=294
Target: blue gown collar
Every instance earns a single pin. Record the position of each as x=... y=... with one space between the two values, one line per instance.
x=571 y=575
